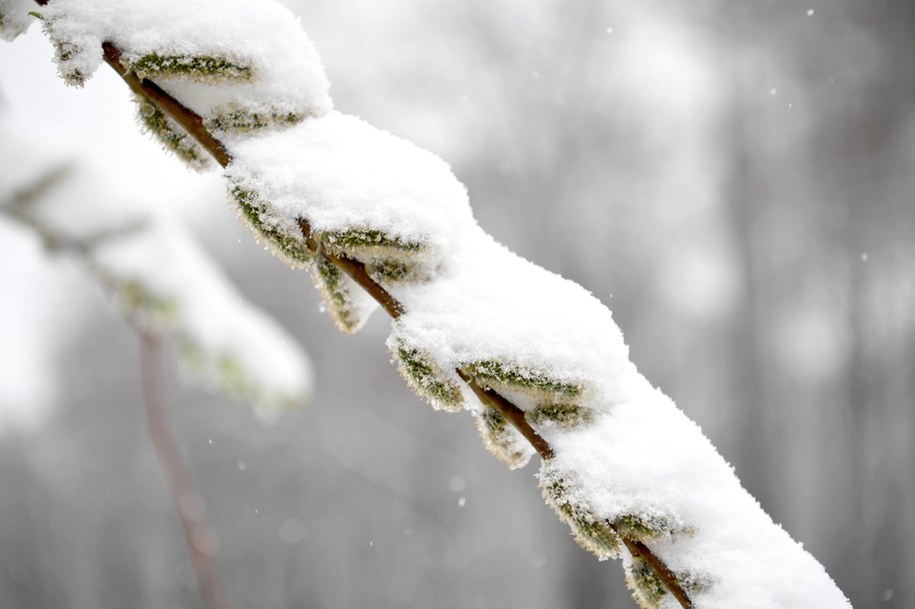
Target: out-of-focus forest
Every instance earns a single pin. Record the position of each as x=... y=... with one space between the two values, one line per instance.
x=733 y=179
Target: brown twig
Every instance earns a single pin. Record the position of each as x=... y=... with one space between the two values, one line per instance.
x=640 y=550
x=201 y=539
x=194 y=125
x=356 y=270
x=511 y=413
x=190 y=121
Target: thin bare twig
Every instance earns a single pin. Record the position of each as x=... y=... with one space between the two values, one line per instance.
x=194 y=125
x=201 y=539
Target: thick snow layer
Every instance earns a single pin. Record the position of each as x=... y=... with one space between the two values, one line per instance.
x=644 y=457
x=342 y=174
x=256 y=51
x=489 y=305
x=538 y=339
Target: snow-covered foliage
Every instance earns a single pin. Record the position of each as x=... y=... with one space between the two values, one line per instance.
x=158 y=276
x=628 y=466
x=14 y=17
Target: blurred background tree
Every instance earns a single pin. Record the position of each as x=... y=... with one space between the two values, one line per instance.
x=733 y=180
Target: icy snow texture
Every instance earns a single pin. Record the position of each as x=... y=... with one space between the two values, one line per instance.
x=284 y=75
x=162 y=280
x=625 y=457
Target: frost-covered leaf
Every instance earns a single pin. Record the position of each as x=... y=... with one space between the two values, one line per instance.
x=509 y=377
x=646 y=586
x=502 y=439
x=365 y=193
x=389 y=259
x=441 y=388
x=232 y=118
x=186 y=47
x=282 y=236
x=210 y=69
x=562 y=415
x=171 y=135
x=593 y=533
x=348 y=304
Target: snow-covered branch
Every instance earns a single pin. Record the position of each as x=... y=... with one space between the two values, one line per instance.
x=160 y=279
x=536 y=359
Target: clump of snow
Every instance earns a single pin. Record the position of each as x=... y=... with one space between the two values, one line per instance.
x=644 y=457
x=265 y=67
x=366 y=195
x=519 y=328
x=15 y=18
x=361 y=187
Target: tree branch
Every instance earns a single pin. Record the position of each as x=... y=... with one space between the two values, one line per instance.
x=194 y=125
x=356 y=270
x=189 y=120
x=201 y=539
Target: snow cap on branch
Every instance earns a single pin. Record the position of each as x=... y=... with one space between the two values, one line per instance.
x=365 y=193
x=250 y=68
